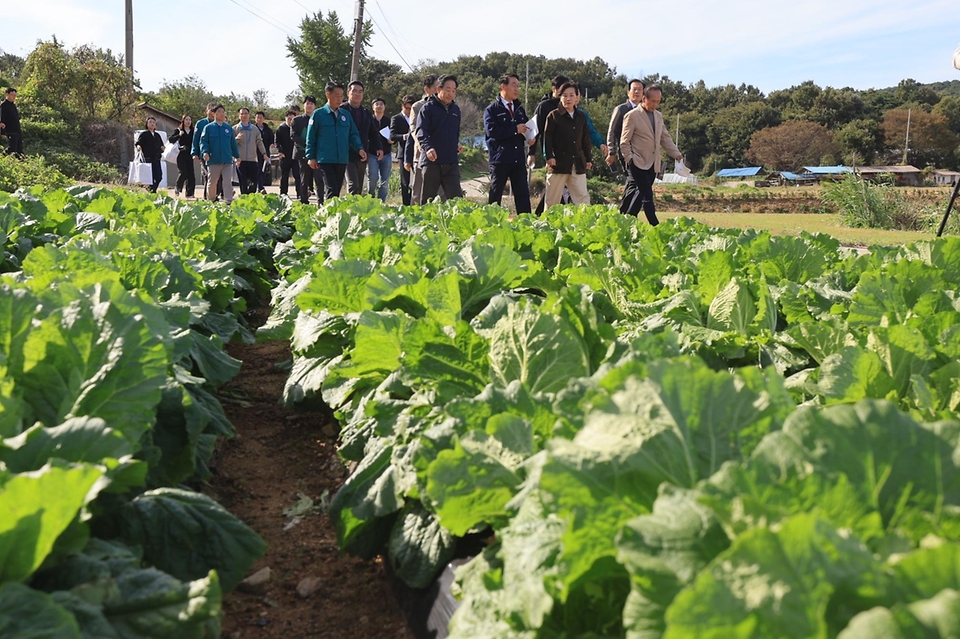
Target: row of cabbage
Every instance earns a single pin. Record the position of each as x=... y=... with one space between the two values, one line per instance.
x=674 y=431
x=114 y=310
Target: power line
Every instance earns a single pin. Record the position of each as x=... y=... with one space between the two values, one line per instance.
x=396 y=34
x=276 y=25
x=391 y=44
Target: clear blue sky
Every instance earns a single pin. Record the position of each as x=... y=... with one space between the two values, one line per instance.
x=240 y=45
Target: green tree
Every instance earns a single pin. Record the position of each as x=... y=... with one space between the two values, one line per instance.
x=11 y=67
x=910 y=91
x=836 y=107
x=949 y=107
x=730 y=132
x=859 y=141
x=81 y=85
x=188 y=95
x=323 y=52
x=793 y=144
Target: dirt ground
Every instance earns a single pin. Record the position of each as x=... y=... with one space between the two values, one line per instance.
x=277 y=455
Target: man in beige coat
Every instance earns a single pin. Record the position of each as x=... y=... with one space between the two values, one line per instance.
x=640 y=142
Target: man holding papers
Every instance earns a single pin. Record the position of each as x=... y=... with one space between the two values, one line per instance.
x=380 y=169
x=509 y=134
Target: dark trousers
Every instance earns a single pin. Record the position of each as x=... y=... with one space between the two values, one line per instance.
x=333 y=175
x=247 y=172
x=629 y=189
x=356 y=169
x=287 y=166
x=14 y=144
x=186 y=177
x=309 y=180
x=642 y=195
x=517 y=174
x=405 y=190
x=437 y=176
x=157 y=174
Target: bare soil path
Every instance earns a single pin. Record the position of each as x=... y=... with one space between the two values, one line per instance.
x=278 y=455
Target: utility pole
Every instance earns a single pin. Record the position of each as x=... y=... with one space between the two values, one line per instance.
x=129 y=55
x=906 y=144
x=357 y=36
x=526 y=91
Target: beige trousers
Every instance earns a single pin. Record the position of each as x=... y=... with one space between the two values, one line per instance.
x=576 y=184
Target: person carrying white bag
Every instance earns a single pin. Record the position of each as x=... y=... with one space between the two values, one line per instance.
x=150 y=146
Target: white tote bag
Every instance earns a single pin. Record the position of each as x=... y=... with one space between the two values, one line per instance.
x=140 y=172
x=170 y=153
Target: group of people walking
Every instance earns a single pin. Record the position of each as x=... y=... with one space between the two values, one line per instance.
x=343 y=141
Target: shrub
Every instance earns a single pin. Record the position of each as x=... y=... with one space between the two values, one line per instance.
x=29 y=171
x=81 y=167
x=860 y=203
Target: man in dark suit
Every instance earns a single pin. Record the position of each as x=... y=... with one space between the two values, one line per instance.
x=285 y=146
x=505 y=128
x=399 y=133
x=307 y=175
x=634 y=96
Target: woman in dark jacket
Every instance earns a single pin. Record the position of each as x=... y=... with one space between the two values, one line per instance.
x=183 y=138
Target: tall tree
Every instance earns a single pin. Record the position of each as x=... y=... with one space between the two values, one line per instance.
x=323 y=51
x=859 y=140
x=793 y=144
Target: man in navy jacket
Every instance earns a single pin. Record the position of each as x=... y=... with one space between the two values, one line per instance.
x=438 y=132
x=504 y=124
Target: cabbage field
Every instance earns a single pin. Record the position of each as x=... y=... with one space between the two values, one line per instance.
x=670 y=432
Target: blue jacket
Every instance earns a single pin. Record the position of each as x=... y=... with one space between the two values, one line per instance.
x=197 y=130
x=504 y=144
x=438 y=128
x=220 y=142
x=331 y=136
x=595 y=138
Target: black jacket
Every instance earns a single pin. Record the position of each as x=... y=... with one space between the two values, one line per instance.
x=369 y=135
x=547 y=104
x=10 y=116
x=399 y=132
x=284 y=140
x=385 y=145
x=300 y=136
x=267 y=135
x=151 y=144
x=567 y=140
x=184 y=139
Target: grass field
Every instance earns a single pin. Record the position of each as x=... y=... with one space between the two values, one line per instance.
x=795 y=223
